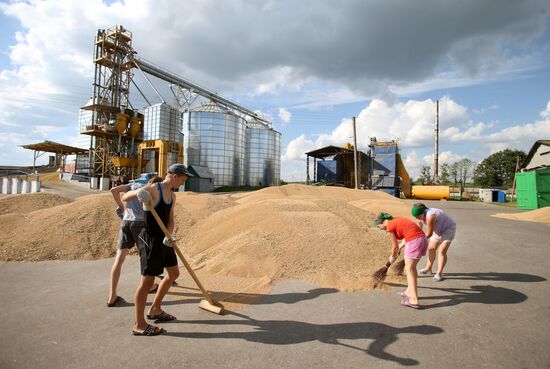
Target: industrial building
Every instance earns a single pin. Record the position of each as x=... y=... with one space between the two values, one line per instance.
x=380 y=169
x=236 y=145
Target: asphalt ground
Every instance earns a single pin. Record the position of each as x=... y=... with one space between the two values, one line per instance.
x=491 y=311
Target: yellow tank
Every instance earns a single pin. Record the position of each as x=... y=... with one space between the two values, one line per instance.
x=121 y=122
x=134 y=126
x=431 y=192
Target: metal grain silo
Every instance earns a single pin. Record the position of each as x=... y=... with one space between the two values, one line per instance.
x=263 y=155
x=215 y=137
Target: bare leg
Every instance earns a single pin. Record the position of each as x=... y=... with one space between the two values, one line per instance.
x=140 y=298
x=164 y=285
x=432 y=247
x=442 y=256
x=410 y=270
x=115 y=273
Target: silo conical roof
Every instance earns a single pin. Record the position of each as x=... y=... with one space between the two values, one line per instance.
x=211 y=107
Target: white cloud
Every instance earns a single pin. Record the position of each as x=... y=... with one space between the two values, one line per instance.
x=412 y=122
x=45 y=130
x=546 y=112
x=277 y=79
x=284 y=115
x=297 y=148
x=445 y=157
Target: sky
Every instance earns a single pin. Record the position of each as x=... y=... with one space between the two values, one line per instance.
x=309 y=66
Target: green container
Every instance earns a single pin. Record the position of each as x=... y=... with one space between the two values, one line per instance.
x=533 y=189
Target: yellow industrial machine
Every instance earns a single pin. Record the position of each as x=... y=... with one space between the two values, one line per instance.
x=159 y=151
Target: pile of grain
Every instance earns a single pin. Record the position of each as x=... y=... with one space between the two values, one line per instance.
x=27 y=203
x=319 y=234
x=83 y=229
x=541 y=215
x=236 y=242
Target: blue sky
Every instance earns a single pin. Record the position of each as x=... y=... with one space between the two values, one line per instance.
x=310 y=68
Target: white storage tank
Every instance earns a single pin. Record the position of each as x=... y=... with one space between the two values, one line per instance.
x=263 y=155
x=214 y=137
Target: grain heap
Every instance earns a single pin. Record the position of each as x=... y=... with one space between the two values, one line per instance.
x=541 y=215
x=323 y=235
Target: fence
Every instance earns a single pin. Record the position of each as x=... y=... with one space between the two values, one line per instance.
x=472 y=193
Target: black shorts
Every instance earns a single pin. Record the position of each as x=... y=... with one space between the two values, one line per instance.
x=154 y=255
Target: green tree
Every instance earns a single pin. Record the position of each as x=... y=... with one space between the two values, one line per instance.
x=498 y=169
x=444 y=173
x=453 y=172
x=465 y=170
x=425 y=174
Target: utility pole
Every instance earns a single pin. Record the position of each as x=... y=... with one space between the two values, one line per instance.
x=355 y=154
x=436 y=134
x=514 y=184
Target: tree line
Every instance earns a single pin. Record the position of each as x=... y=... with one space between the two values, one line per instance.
x=496 y=170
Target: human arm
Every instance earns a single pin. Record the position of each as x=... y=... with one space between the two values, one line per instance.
x=394 y=246
x=145 y=194
x=430 y=223
x=116 y=191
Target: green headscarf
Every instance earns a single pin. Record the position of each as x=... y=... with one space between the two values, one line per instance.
x=418 y=209
x=381 y=217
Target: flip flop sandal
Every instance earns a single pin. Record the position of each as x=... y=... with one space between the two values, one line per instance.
x=111 y=304
x=403 y=294
x=408 y=304
x=162 y=317
x=151 y=330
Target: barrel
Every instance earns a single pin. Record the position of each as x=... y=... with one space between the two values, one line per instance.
x=431 y=192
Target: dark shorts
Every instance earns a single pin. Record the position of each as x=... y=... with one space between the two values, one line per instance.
x=154 y=255
x=129 y=233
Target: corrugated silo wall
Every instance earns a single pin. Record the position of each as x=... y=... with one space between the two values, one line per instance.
x=217 y=141
x=263 y=153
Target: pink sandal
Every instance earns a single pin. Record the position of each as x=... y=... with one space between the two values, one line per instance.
x=408 y=304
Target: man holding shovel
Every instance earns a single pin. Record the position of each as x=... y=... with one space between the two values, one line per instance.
x=155 y=249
